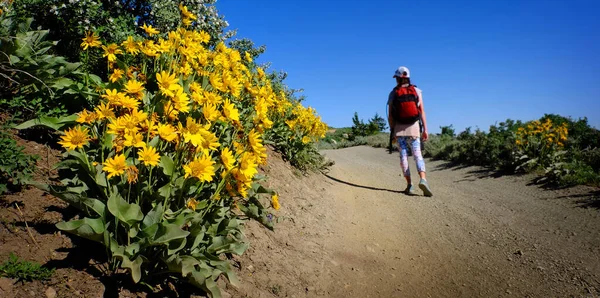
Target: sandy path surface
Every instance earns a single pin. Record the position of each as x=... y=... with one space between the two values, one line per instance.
x=351 y=233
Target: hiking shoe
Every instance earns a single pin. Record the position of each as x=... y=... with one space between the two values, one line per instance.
x=410 y=190
x=425 y=188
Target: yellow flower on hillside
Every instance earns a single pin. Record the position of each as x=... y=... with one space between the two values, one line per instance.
x=74 y=138
x=227 y=159
x=213 y=98
x=91 y=40
x=115 y=166
x=116 y=75
x=210 y=112
x=230 y=111
x=181 y=101
x=132 y=174
x=111 y=51
x=149 y=48
x=167 y=83
x=134 y=140
x=104 y=111
x=204 y=37
x=192 y=204
x=305 y=139
x=167 y=132
x=201 y=168
x=86 y=117
x=247 y=165
x=275 y=202
x=185 y=12
x=131 y=46
x=254 y=141
x=150 y=30
x=148 y=156
x=134 y=87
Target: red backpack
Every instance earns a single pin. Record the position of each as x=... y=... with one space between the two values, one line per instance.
x=404 y=106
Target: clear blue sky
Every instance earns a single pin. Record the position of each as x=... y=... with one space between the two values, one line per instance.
x=478 y=62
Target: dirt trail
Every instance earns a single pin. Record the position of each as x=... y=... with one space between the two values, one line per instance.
x=351 y=233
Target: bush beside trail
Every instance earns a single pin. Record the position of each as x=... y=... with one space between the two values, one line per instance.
x=562 y=151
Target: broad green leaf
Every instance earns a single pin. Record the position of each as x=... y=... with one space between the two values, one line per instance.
x=79 y=201
x=166 y=163
x=212 y=288
x=153 y=216
x=51 y=122
x=169 y=232
x=125 y=212
x=62 y=83
x=135 y=266
x=101 y=177
x=176 y=245
x=188 y=264
x=89 y=228
x=165 y=191
x=154 y=142
x=107 y=142
x=232 y=277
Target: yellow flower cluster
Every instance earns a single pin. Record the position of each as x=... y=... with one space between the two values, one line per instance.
x=307 y=122
x=203 y=107
x=547 y=133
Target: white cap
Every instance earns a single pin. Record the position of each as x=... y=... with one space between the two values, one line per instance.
x=402 y=72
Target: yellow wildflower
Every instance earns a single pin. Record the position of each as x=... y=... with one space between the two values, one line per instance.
x=230 y=111
x=148 y=156
x=167 y=132
x=227 y=158
x=192 y=204
x=134 y=87
x=104 y=111
x=115 y=165
x=132 y=174
x=116 y=75
x=275 y=202
x=90 y=40
x=167 y=83
x=111 y=51
x=150 y=30
x=86 y=117
x=74 y=138
x=131 y=46
x=201 y=168
x=134 y=139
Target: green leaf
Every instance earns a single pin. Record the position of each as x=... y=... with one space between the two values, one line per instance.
x=135 y=266
x=232 y=277
x=101 y=177
x=50 y=122
x=62 y=83
x=89 y=228
x=78 y=201
x=107 y=142
x=154 y=142
x=176 y=245
x=165 y=191
x=153 y=216
x=166 y=163
x=169 y=232
x=212 y=288
x=125 y=212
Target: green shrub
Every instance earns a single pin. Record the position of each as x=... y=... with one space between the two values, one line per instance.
x=36 y=82
x=24 y=270
x=563 y=151
x=16 y=167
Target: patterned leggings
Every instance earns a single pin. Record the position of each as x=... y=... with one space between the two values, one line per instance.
x=415 y=144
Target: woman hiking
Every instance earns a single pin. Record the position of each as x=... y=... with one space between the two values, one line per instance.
x=405 y=114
